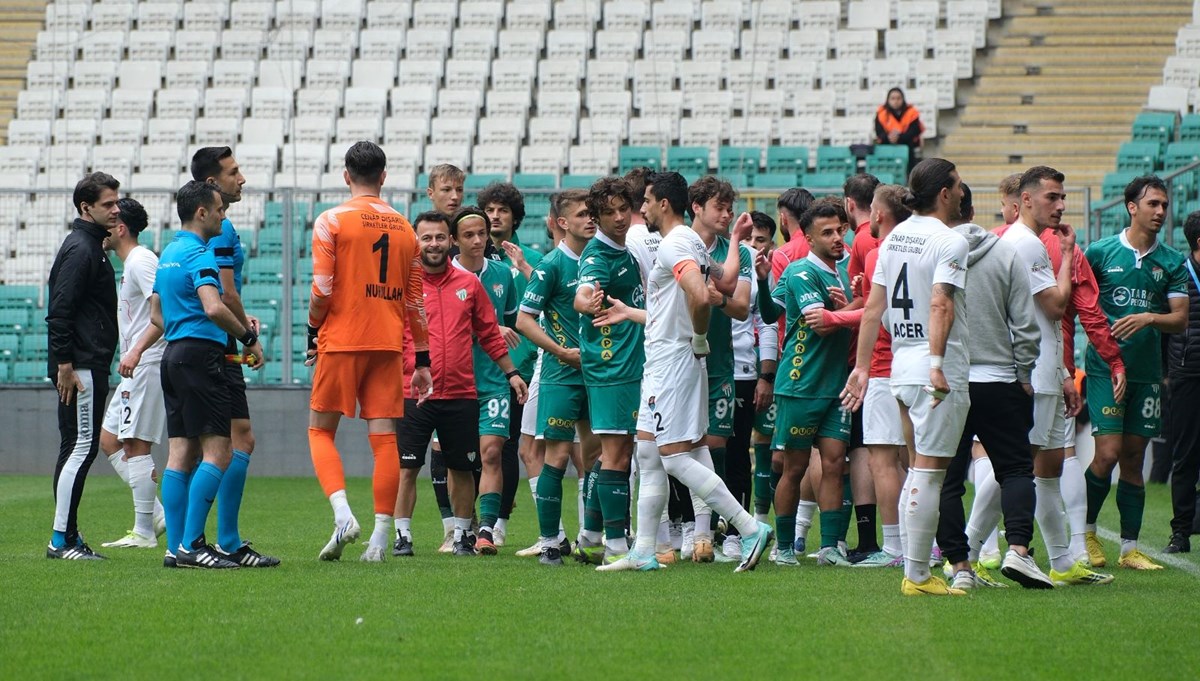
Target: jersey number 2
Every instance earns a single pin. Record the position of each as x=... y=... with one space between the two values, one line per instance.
x=900 y=294
x=382 y=247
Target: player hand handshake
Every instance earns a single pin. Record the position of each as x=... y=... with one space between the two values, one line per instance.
x=856 y=388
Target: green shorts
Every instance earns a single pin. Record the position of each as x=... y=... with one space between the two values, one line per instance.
x=800 y=420
x=720 y=408
x=494 y=415
x=614 y=408
x=559 y=407
x=1140 y=414
x=764 y=421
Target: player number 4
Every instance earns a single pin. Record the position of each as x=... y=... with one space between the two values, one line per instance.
x=900 y=293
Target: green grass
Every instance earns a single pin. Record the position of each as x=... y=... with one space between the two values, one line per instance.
x=436 y=616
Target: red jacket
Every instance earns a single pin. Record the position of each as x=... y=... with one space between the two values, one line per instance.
x=458 y=310
x=1084 y=302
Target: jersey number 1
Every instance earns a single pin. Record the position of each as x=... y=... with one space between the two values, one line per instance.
x=900 y=294
x=382 y=247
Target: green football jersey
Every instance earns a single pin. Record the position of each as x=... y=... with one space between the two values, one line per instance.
x=524 y=356
x=612 y=354
x=1129 y=285
x=811 y=365
x=720 y=325
x=551 y=292
x=497 y=281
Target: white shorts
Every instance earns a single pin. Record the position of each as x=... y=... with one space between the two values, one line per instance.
x=1049 y=422
x=936 y=432
x=674 y=402
x=881 y=415
x=529 y=416
x=137 y=409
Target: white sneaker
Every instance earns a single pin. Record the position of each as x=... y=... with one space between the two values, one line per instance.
x=160 y=524
x=730 y=551
x=132 y=540
x=498 y=536
x=346 y=533
x=1023 y=571
x=373 y=554
x=963 y=579
x=675 y=531
x=530 y=552
x=447 y=543
x=688 y=545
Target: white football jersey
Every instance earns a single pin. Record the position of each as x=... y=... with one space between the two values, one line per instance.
x=643 y=245
x=919 y=253
x=133 y=302
x=1048 y=372
x=668 y=323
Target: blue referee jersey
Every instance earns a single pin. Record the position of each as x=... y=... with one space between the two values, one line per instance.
x=227 y=249
x=185 y=265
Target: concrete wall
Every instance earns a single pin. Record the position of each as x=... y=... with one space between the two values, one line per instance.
x=29 y=428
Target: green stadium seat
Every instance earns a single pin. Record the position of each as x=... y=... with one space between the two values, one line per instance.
x=738 y=160
x=688 y=161
x=823 y=182
x=787 y=160
x=273 y=215
x=259 y=295
x=738 y=179
x=165 y=237
x=1181 y=154
x=581 y=181
x=629 y=158
x=15 y=295
x=832 y=159
x=323 y=206
x=535 y=236
x=35 y=346
x=10 y=344
x=5 y=369
x=1139 y=157
x=773 y=180
x=888 y=158
x=1189 y=128
x=1154 y=127
x=303 y=271
x=535 y=181
x=263 y=269
x=14 y=318
x=420 y=205
x=1114 y=183
x=27 y=371
x=475 y=182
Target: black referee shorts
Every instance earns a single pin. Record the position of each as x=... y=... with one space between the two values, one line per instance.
x=196 y=389
x=457 y=426
x=238 y=407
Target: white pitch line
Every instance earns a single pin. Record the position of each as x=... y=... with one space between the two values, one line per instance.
x=1186 y=566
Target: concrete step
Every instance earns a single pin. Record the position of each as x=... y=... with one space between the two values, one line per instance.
x=1110 y=9
x=1029 y=115
x=1134 y=99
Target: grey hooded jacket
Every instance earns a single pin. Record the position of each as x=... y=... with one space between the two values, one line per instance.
x=1004 y=332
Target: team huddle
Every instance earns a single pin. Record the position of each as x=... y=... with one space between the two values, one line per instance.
x=697 y=364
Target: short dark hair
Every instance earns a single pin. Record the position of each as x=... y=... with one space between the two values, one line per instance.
x=763 y=221
x=506 y=194
x=861 y=188
x=892 y=197
x=1011 y=185
x=828 y=207
x=604 y=190
x=926 y=181
x=133 y=216
x=464 y=213
x=671 y=186
x=89 y=189
x=707 y=188
x=568 y=196
x=431 y=216
x=1135 y=190
x=1191 y=229
x=206 y=162
x=194 y=195
x=1032 y=179
x=966 y=209
x=795 y=201
x=450 y=171
x=365 y=161
x=552 y=212
x=636 y=179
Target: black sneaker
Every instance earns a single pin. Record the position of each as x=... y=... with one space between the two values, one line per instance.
x=76 y=552
x=1179 y=544
x=464 y=546
x=550 y=556
x=564 y=547
x=204 y=557
x=402 y=546
x=169 y=560
x=856 y=556
x=248 y=557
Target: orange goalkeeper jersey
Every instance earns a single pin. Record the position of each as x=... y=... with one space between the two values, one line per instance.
x=365 y=261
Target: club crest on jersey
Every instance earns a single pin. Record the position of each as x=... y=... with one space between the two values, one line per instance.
x=461 y=294
x=498 y=289
x=1157 y=272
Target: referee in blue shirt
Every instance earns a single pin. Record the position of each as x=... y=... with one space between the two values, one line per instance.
x=187 y=305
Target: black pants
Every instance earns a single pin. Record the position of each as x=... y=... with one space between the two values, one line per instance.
x=737 y=452
x=510 y=460
x=79 y=440
x=1184 y=441
x=1001 y=415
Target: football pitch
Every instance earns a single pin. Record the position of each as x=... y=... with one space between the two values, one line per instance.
x=437 y=616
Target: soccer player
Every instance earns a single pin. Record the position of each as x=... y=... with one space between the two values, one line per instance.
x=1144 y=293
x=919 y=282
x=136 y=414
x=611 y=301
x=643 y=239
x=562 y=402
x=196 y=322
x=672 y=411
x=469 y=232
x=1003 y=346
x=366 y=292
x=791 y=205
x=82 y=324
x=815 y=363
x=710 y=201
x=458 y=310
x=218 y=167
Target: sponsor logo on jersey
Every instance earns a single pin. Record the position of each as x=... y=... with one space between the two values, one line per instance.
x=806 y=431
x=621 y=271
x=1131 y=297
x=1114 y=270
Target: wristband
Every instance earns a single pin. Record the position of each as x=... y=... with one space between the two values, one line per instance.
x=312 y=336
x=248 y=339
x=423 y=359
x=700 y=343
x=935 y=361
x=769 y=377
x=510 y=374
